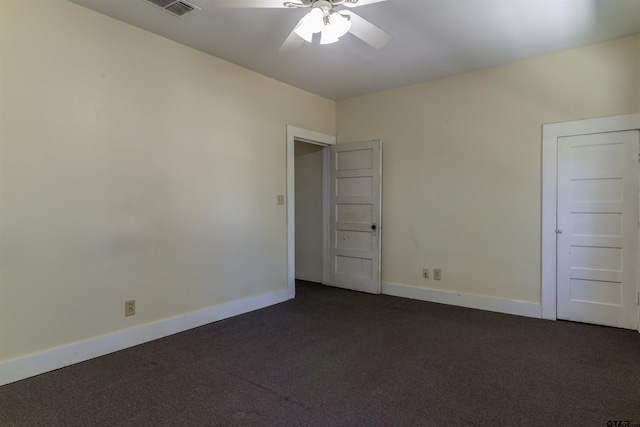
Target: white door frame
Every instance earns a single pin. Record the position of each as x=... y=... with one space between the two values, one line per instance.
x=303 y=135
x=550 y=135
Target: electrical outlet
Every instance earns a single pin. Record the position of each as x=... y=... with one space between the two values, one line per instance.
x=437 y=274
x=130 y=307
x=425 y=273
x=281 y=199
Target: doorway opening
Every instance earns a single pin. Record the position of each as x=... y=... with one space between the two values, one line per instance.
x=309 y=195
x=312 y=149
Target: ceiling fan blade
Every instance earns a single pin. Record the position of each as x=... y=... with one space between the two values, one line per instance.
x=292 y=42
x=350 y=3
x=248 y=3
x=366 y=31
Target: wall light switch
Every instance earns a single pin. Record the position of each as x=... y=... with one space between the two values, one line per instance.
x=281 y=199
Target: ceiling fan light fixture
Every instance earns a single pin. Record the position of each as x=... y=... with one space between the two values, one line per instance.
x=310 y=24
x=336 y=26
x=327 y=38
x=340 y=24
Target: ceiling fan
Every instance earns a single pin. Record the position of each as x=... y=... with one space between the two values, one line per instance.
x=326 y=17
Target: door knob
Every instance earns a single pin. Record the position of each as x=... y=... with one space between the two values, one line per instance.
x=373 y=227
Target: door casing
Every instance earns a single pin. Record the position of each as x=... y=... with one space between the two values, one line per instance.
x=303 y=135
x=550 y=135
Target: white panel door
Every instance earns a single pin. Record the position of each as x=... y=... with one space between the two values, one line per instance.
x=355 y=199
x=597 y=272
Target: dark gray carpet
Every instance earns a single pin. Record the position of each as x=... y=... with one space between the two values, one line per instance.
x=338 y=358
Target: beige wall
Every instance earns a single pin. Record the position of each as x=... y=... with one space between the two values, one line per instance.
x=462 y=163
x=308 y=211
x=132 y=167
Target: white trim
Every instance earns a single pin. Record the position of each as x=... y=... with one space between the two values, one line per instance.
x=518 y=308
x=39 y=363
x=550 y=135
x=326 y=212
x=589 y=126
x=297 y=134
x=549 y=221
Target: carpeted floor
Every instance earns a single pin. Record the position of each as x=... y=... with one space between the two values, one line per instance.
x=332 y=357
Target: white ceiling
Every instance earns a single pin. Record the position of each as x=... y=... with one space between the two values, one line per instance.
x=432 y=38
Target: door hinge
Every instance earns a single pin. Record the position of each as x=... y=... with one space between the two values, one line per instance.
x=638 y=298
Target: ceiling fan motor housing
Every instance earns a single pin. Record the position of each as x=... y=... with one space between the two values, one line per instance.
x=312 y=3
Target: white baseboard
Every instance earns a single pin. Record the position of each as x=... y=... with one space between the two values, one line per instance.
x=39 y=363
x=519 y=308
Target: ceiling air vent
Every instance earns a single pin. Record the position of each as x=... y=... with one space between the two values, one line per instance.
x=177 y=8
